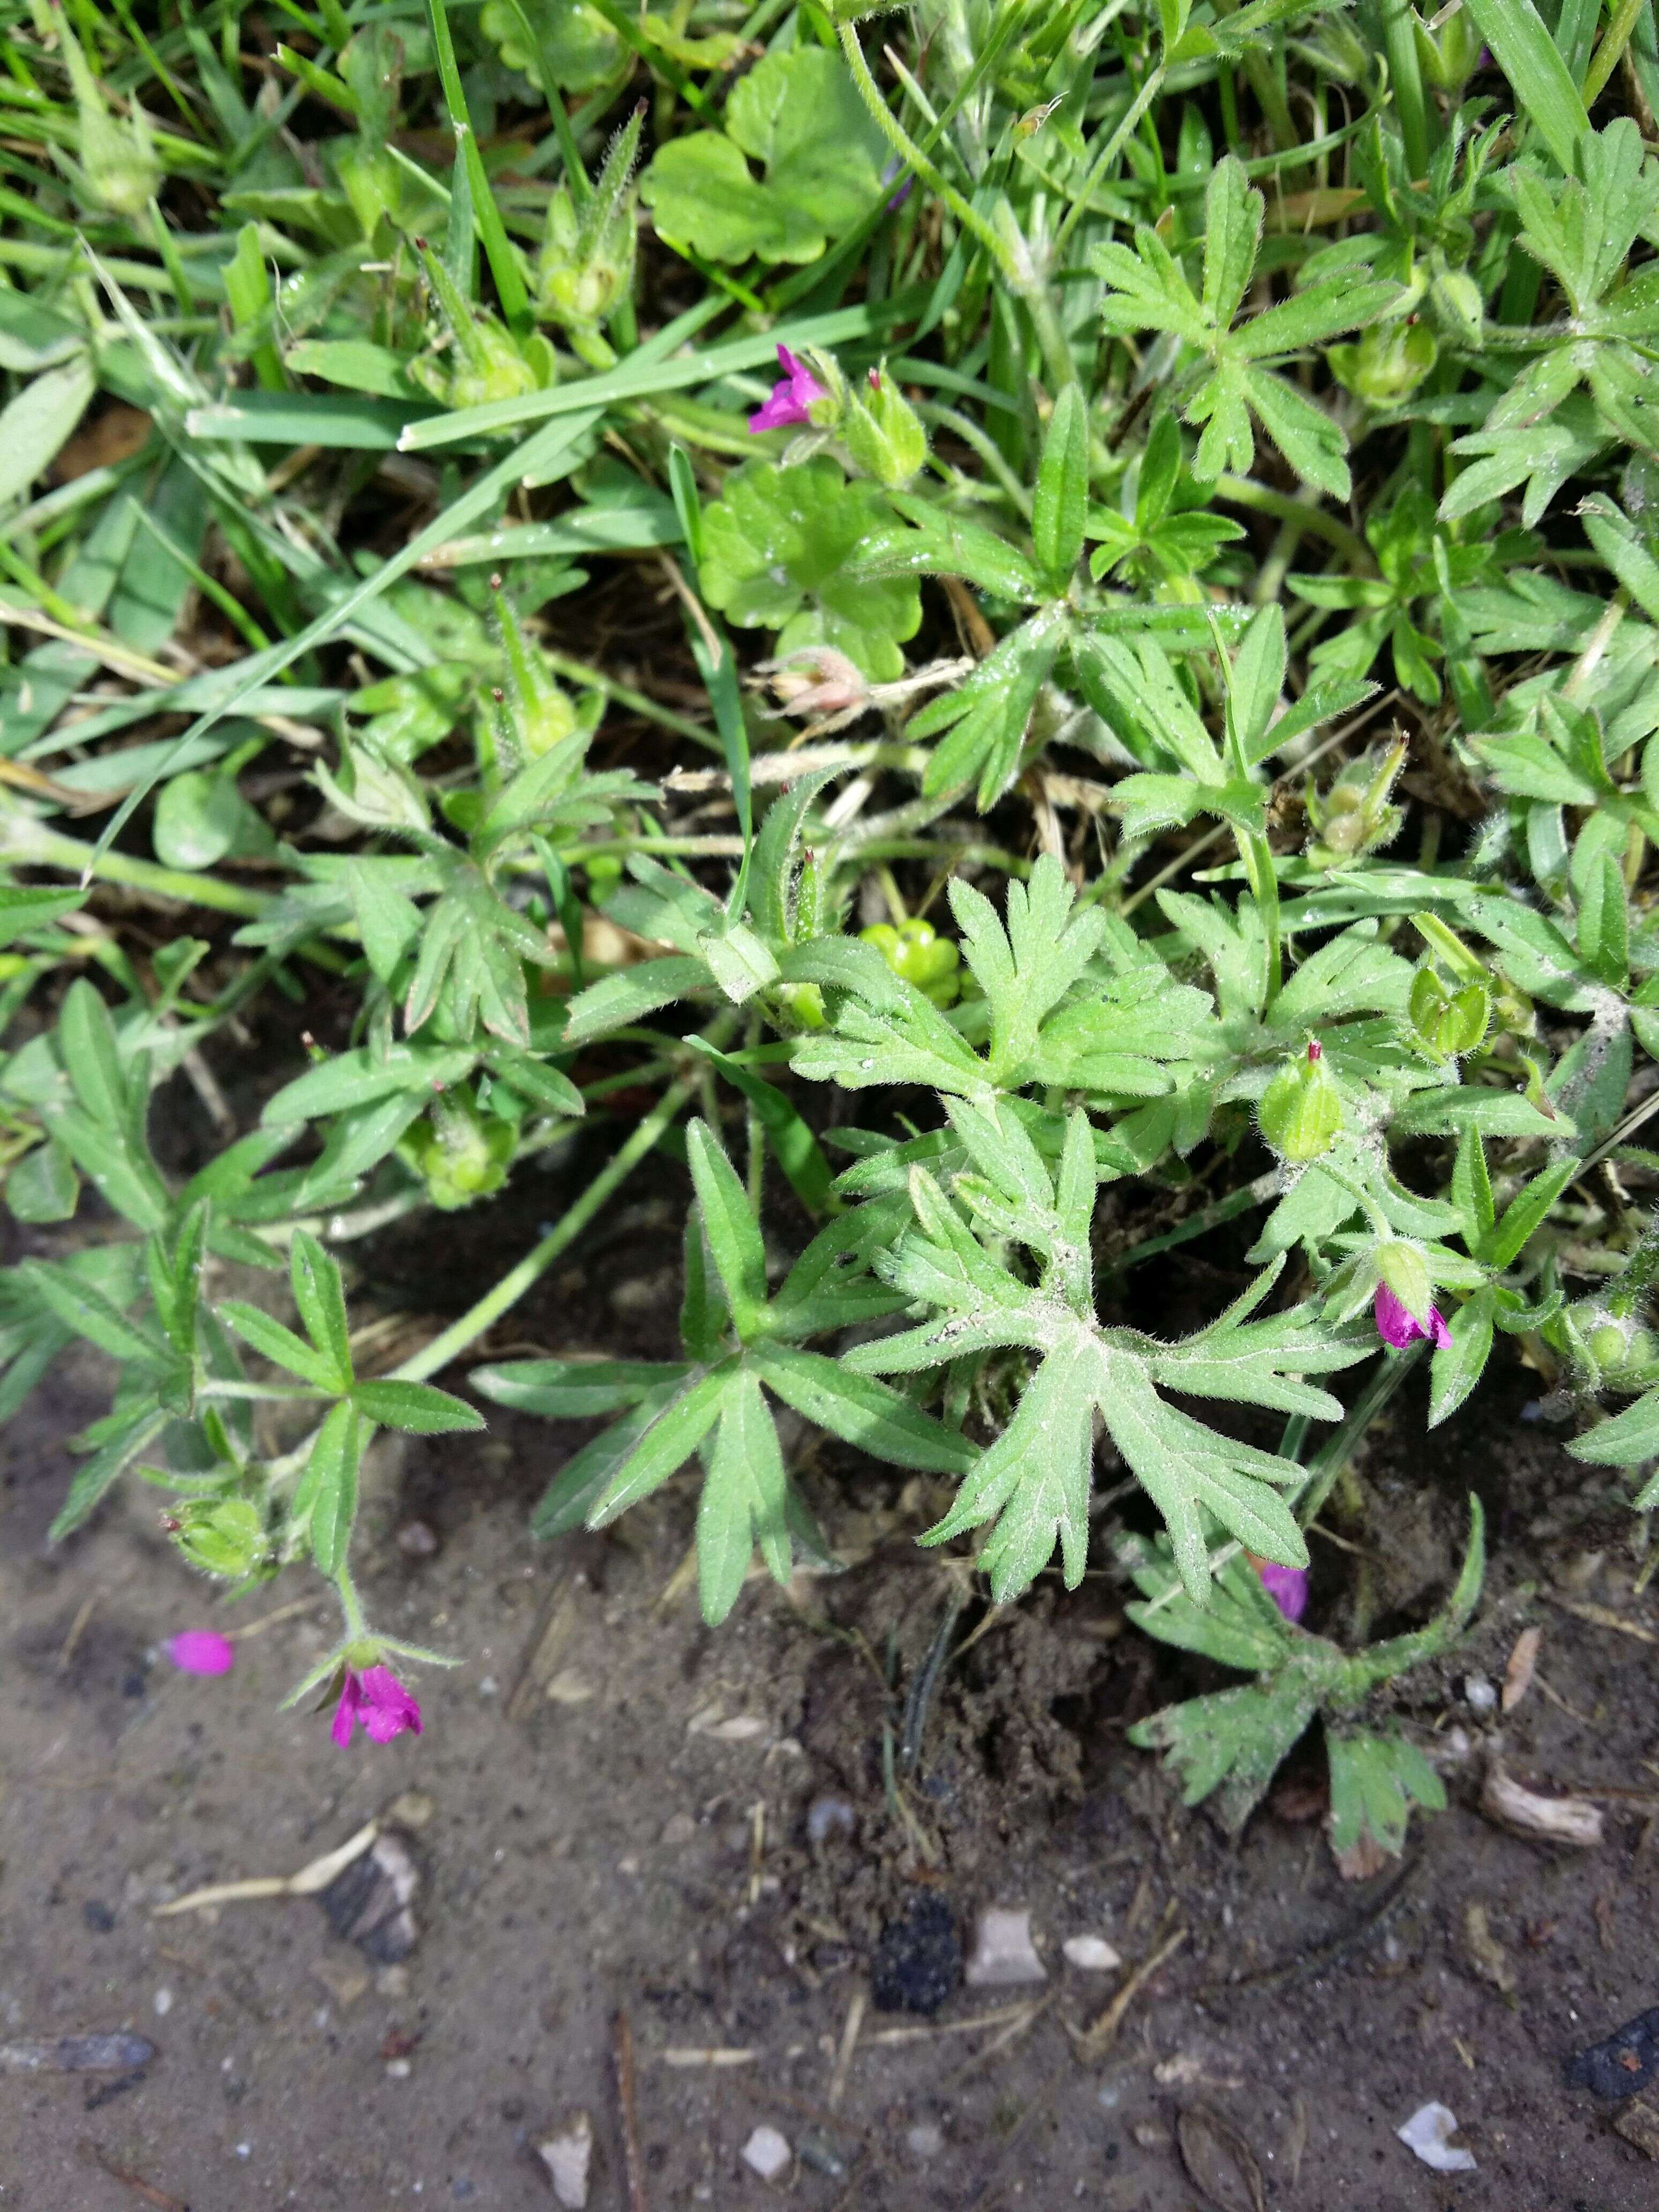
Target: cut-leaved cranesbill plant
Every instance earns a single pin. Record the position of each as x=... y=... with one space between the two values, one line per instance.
x=583 y=584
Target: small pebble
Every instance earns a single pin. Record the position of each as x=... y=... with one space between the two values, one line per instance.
x=829 y=1816
x=163 y=2003
x=1093 y=1954
x=679 y=1829
x=397 y=2070
x=98 y=1916
x=925 y=2140
x=767 y=2154
x=568 y=2157
x=1480 y=1693
x=1003 y=1955
x=1429 y=2133
x=416 y=1539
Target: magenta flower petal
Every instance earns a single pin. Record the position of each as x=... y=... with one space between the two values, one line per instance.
x=1394 y=1324
x=787 y=406
x=388 y=1708
x=201 y=1651
x=345 y=1713
x=1398 y=1326
x=1287 y=1587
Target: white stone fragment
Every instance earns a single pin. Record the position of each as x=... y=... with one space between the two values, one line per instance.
x=1003 y=1951
x=568 y=2157
x=768 y=2154
x=1429 y=2132
x=1092 y=1953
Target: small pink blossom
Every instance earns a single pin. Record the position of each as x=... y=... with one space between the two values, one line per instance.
x=201 y=1651
x=1286 y=1586
x=380 y=1700
x=1398 y=1326
x=787 y=408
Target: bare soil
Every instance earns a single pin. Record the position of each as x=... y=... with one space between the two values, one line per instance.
x=610 y=1810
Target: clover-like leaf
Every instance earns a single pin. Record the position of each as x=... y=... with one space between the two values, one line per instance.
x=789 y=550
x=798 y=116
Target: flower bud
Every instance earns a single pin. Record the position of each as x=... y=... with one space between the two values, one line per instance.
x=459 y=1154
x=222 y=1536
x=883 y=433
x=585 y=267
x=1301 y=1111
x=373 y=790
x=1402 y=1268
x=119 y=168
x=1385 y=365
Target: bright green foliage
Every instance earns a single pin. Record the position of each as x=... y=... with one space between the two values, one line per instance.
x=1233 y=1741
x=743 y=1348
x=1149 y=290
x=798 y=550
x=1140 y=391
x=797 y=117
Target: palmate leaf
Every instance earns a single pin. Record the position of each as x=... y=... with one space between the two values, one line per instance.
x=1148 y=289
x=1035 y=1480
x=1233 y=1741
x=1375 y=1781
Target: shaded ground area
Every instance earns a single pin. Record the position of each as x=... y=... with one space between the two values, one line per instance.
x=612 y=1810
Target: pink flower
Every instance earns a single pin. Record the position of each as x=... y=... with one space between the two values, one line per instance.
x=201 y=1651
x=1398 y=1326
x=380 y=1700
x=787 y=408
x=1286 y=1586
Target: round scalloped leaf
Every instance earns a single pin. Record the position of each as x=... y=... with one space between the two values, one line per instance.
x=570 y=43
x=798 y=116
x=787 y=550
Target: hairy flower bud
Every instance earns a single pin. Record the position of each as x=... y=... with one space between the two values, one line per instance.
x=1448 y=1023
x=222 y=1536
x=585 y=267
x=1301 y=1112
x=883 y=433
x=119 y=164
x=374 y=790
x=1405 y=1271
x=1385 y=365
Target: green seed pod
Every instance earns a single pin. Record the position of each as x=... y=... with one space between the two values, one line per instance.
x=1301 y=1110
x=1607 y=1345
x=585 y=267
x=883 y=433
x=1387 y=363
x=222 y=1536
x=535 y=714
x=119 y=167
x=799 y=1006
x=460 y=1154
